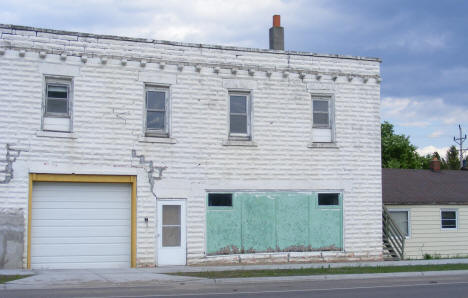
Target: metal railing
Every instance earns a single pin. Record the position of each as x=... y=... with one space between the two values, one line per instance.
x=393 y=238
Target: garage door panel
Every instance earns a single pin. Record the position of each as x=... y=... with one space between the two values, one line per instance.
x=80 y=187
x=81 y=225
x=81 y=197
x=75 y=259
x=81 y=222
x=81 y=205
x=83 y=250
x=45 y=232
x=80 y=213
x=83 y=265
x=81 y=240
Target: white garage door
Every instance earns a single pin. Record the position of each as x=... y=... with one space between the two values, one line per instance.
x=80 y=225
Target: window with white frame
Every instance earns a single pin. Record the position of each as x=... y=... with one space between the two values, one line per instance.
x=157 y=111
x=58 y=96
x=57 y=107
x=401 y=219
x=239 y=115
x=322 y=119
x=321 y=116
x=448 y=219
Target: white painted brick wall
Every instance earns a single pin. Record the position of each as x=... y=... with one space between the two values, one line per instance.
x=197 y=161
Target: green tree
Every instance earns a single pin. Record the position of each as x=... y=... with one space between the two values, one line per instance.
x=453 y=162
x=397 y=151
x=443 y=162
x=426 y=161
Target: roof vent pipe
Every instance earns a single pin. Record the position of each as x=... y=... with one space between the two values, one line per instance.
x=277 y=34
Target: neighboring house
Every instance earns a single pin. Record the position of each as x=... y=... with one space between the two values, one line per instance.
x=431 y=208
x=130 y=152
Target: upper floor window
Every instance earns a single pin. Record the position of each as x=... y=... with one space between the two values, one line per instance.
x=321 y=116
x=322 y=119
x=448 y=219
x=57 y=103
x=157 y=111
x=239 y=115
x=57 y=107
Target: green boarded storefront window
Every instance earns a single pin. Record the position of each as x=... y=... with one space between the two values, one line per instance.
x=249 y=222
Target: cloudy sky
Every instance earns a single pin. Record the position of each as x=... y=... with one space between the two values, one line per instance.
x=423 y=44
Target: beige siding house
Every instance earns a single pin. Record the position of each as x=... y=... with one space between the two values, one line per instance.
x=431 y=208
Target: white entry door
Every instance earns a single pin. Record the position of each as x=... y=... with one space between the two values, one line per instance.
x=171 y=240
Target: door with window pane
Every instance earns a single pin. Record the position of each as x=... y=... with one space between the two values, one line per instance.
x=171 y=249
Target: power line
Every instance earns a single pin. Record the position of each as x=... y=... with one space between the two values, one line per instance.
x=460 y=141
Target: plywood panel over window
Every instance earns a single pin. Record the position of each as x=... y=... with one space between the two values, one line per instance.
x=224 y=228
x=275 y=221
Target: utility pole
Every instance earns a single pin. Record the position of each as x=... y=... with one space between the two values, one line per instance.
x=460 y=141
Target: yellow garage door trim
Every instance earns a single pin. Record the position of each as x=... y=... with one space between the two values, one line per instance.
x=84 y=179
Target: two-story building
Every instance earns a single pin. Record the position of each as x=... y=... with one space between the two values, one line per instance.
x=130 y=152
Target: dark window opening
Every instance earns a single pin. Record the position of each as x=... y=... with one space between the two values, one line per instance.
x=220 y=199
x=328 y=199
x=449 y=219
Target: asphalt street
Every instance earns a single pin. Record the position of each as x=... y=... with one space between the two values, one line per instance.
x=422 y=286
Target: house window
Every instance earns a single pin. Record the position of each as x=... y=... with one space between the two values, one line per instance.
x=157 y=111
x=401 y=219
x=329 y=199
x=239 y=115
x=448 y=219
x=322 y=119
x=220 y=199
x=57 y=103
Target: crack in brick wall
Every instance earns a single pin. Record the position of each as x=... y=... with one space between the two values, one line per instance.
x=150 y=169
x=11 y=156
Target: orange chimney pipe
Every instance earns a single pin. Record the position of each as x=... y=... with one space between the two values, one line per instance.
x=276 y=20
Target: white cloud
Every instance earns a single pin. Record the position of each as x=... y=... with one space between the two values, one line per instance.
x=431 y=149
x=394 y=106
x=416 y=40
x=428 y=121
x=415 y=124
x=421 y=112
x=240 y=22
x=436 y=133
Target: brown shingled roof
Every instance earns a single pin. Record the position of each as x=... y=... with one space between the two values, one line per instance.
x=407 y=186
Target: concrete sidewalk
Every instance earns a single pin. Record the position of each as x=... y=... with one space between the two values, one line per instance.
x=98 y=278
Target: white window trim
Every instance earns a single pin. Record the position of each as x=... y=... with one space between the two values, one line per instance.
x=167 y=125
x=240 y=136
x=64 y=80
x=456 y=219
x=328 y=100
x=331 y=120
x=408 y=211
x=67 y=81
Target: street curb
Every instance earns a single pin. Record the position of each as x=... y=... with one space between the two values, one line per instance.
x=338 y=276
x=174 y=269
x=246 y=280
x=7 y=272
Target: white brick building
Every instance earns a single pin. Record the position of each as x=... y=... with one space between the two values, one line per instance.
x=236 y=121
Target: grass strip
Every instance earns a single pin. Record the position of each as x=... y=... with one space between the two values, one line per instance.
x=321 y=271
x=7 y=278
